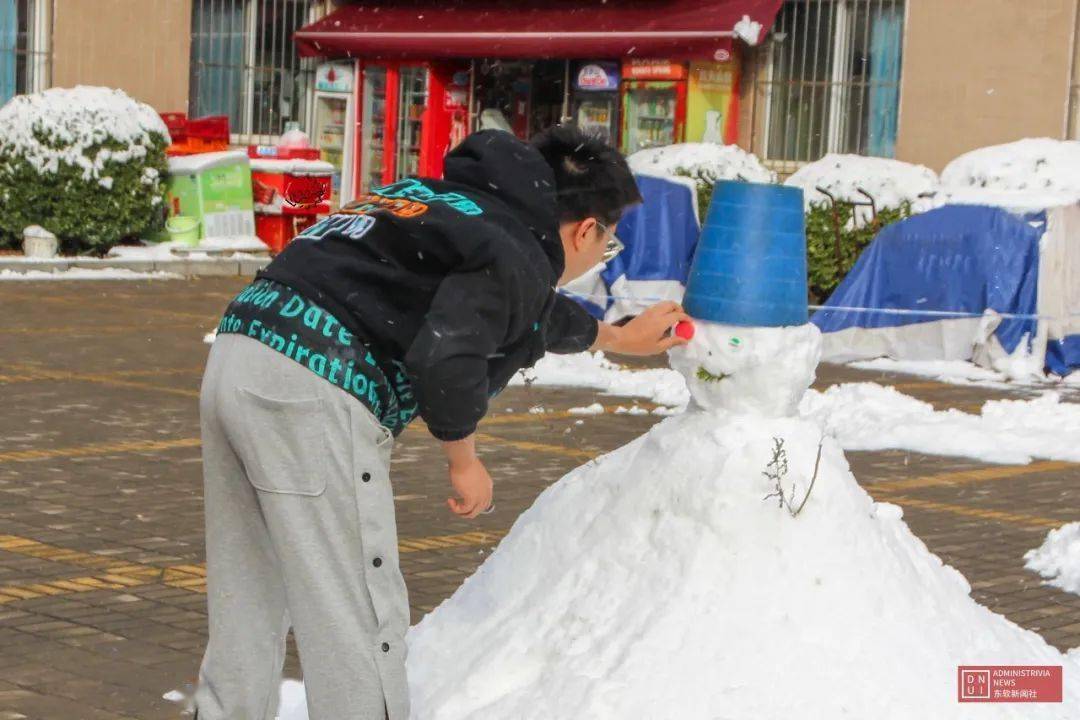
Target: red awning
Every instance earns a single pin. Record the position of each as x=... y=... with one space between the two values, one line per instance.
x=431 y=29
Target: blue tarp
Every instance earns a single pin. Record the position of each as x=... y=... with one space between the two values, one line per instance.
x=660 y=235
x=958 y=258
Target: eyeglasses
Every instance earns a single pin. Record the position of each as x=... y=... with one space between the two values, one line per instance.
x=614 y=244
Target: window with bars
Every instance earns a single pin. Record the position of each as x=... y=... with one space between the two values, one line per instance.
x=832 y=81
x=24 y=47
x=244 y=64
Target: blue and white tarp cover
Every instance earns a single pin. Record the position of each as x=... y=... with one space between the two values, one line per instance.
x=956 y=275
x=660 y=235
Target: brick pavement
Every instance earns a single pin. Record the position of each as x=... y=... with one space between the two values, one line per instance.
x=101 y=579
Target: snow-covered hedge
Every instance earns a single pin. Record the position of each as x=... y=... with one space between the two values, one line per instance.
x=891 y=183
x=704 y=162
x=87 y=164
x=1034 y=172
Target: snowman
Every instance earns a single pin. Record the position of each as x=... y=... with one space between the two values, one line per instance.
x=726 y=565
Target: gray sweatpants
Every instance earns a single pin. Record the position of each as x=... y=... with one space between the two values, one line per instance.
x=300 y=533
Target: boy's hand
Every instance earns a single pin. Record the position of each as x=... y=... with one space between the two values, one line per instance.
x=647 y=334
x=468 y=477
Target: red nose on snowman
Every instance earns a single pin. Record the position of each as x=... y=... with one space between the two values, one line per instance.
x=684 y=329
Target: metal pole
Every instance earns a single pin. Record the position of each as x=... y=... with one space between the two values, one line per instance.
x=566 y=92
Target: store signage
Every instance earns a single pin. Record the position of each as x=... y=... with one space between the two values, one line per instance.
x=334 y=77
x=640 y=69
x=598 y=76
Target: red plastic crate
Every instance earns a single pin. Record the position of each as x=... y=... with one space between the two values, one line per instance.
x=214 y=127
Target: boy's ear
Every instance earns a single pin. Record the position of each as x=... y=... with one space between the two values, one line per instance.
x=581 y=233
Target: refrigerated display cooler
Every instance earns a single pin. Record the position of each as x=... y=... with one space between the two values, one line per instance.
x=372 y=127
x=595 y=99
x=333 y=128
x=410 y=115
x=653 y=104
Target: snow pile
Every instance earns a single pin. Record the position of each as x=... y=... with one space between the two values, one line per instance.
x=704 y=162
x=593 y=370
x=68 y=126
x=868 y=416
x=668 y=579
x=1029 y=173
x=890 y=183
x=955 y=372
x=965 y=372
x=1058 y=558
x=238 y=246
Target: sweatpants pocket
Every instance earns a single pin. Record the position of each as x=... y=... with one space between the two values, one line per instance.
x=284 y=443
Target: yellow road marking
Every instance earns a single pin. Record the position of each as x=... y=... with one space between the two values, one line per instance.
x=479 y=537
x=1033 y=522
x=538 y=447
x=113 y=380
x=76 y=330
x=97 y=449
x=120 y=575
x=962 y=477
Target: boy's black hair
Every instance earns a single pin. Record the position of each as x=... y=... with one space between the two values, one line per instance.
x=591 y=178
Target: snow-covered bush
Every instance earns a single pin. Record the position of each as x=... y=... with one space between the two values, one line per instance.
x=1034 y=172
x=857 y=179
x=87 y=164
x=868 y=193
x=704 y=163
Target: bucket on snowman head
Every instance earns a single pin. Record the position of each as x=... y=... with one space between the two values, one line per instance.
x=749 y=267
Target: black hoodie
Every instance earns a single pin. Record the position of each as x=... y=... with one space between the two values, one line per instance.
x=455 y=278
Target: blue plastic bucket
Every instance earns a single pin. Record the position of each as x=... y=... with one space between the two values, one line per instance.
x=750 y=264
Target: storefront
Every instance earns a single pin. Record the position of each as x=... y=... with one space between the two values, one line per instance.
x=402 y=83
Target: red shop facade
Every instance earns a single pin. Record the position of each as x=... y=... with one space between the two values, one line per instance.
x=401 y=82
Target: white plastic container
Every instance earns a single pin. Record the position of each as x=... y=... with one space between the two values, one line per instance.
x=39 y=243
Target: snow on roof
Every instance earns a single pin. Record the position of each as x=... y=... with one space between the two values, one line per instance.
x=889 y=182
x=65 y=125
x=707 y=162
x=191 y=164
x=1032 y=173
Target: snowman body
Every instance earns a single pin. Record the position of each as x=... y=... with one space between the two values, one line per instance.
x=667 y=579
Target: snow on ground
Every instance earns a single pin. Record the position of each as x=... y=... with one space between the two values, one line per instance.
x=1058 y=558
x=88 y=274
x=593 y=370
x=889 y=182
x=241 y=246
x=1026 y=174
x=69 y=126
x=961 y=372
x=594 y=409
x=705 y=162
x=863 y=416
x=868 y=416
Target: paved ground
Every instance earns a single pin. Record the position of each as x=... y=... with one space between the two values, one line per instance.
x=101 y=581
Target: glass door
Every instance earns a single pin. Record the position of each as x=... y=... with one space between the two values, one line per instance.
x=649 y=113
x=595 y=114
x=372 y=161
x=412 y=103
x=331 y=112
